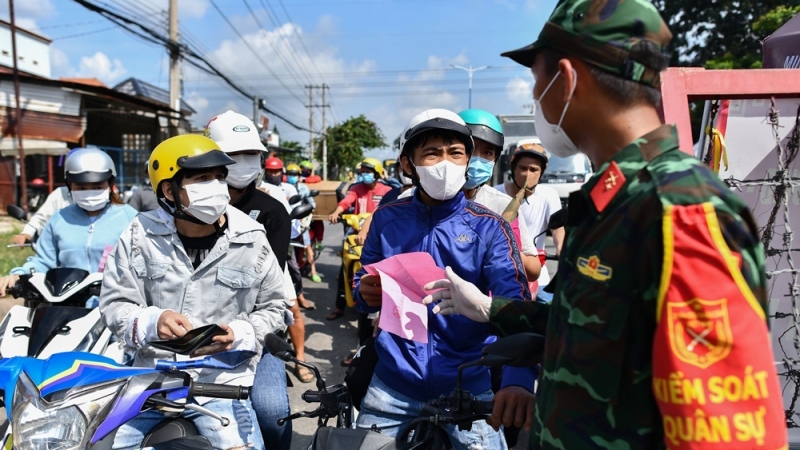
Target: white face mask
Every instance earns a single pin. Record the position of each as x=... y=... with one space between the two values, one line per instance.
x=92 y=200
x=245 y=171
x=553 y=137
x=443 y=180
x=207 y=200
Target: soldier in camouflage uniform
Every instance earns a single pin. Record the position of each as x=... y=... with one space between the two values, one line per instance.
x=657 y=334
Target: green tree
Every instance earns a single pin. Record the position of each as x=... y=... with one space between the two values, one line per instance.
x=347 y=142
x=293 y=157
x=722 y=34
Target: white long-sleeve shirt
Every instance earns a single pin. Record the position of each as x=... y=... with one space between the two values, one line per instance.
x=57 y=199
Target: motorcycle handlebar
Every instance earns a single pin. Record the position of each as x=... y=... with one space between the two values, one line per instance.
x=219 y=391
x=484 y=407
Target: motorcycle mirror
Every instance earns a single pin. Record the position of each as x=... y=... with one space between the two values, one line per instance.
x=518 y=350
x=301 y=211
x=313 y=193
x=279 y=348
x=295 y=199
x=17 y=212
x=558 y=219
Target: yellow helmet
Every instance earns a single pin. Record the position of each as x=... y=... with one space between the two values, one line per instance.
x=293 y=169
x=374 y=164
x=187 y=151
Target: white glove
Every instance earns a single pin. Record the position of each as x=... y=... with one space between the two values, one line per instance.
x=458 y=297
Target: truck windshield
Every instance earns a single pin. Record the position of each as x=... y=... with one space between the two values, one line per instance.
x=519 y=129
x=578 y=164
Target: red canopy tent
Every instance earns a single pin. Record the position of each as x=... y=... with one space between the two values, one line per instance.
x=782 y=48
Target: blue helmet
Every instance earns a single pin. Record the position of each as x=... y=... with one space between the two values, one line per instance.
x=484 y=126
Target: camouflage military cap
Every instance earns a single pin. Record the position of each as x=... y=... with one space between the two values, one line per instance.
x=602 y=33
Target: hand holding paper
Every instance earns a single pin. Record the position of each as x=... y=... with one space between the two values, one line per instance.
x=459 y=297
x=402 y=278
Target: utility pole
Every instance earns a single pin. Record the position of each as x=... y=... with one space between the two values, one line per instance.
x=256 y=108
x=310 y=123
x=324 y=136
x=469 y=71
x=23 y=197
x=311 y=107
x=174 y=68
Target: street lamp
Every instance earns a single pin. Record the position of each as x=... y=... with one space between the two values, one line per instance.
x=470 y=70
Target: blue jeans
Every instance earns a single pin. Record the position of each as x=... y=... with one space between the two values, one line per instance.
x=391 y=411
x=242 y=431
x=271 y=401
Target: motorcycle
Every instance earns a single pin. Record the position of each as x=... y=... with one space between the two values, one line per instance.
x=427 y=432
x=351 y=252
x=304 y=218
x=77 y=400
x=54 y=317
x=18 y=213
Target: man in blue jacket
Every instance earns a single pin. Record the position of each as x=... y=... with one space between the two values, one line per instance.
x=479 y=245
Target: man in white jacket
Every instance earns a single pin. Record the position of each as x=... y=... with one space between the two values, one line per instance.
x=195 y=261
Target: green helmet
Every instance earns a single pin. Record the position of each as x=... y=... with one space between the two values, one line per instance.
x=484 y=126
x=307 y=165
x=604 y=34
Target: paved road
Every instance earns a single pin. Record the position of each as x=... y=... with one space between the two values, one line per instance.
x=327 y=342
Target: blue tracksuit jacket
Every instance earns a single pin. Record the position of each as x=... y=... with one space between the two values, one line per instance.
x=480 y=247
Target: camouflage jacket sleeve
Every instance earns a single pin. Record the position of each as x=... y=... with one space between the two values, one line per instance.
x=508 y=317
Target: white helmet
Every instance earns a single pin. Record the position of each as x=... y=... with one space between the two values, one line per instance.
x=436 y=119
x=89 y=165
x=234 y=132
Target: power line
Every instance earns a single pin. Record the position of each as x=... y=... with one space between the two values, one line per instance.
x=252 y=50
x=86 y=33
x=300 y=38
x=194 y=58
x=292 y=52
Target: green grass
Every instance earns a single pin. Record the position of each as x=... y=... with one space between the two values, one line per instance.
x=11 y=257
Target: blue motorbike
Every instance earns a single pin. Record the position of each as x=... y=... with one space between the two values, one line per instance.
x=77 y=400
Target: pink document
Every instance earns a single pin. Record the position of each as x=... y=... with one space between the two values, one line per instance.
x=402 y=278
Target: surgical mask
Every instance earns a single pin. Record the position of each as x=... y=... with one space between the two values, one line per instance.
x=443 y=180
x=207 y=200
x=367 y=178
x=553 y=137
x=91 y=200
x=479 y=172
x=245 y=171
x=293 y=179
x=273 y=179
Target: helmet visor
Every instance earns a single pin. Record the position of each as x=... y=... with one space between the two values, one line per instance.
x=208 y=160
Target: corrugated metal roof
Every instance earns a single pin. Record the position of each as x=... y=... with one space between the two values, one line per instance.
x=139 y=88
x=36 y=97
x=8 y=147
x=39 y=125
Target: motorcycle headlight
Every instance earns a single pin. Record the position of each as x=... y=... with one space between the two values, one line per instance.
x=38 y=426
x=54 y=429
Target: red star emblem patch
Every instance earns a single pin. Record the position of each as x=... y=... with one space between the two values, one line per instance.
x=606 y=189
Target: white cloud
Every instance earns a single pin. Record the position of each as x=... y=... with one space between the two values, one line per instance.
x=27 y=12
x=519 y=90
x=100 y=67
x=59 y=63
x=199 y=104
x=327 y=25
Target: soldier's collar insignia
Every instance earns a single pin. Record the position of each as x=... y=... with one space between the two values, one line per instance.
x=593 y=268
x=611 y=181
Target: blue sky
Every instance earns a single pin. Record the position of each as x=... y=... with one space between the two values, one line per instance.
x=386 y=59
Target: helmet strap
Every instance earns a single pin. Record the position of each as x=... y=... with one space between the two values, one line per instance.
x=177 y=211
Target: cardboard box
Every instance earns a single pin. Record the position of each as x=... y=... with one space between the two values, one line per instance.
x=326 y=200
